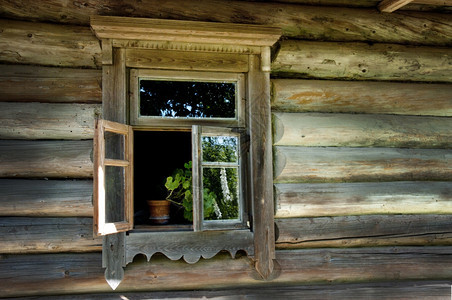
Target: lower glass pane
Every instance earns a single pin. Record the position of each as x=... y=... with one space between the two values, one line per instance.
x=115 y=189
x=221 y=193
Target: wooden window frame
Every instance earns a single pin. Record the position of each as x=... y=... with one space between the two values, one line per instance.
x=139 y=121
x=198 y=164
x=101 y=225
x=168 y=46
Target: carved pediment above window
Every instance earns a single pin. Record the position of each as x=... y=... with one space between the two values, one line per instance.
x=124 y=32
x=141 y=29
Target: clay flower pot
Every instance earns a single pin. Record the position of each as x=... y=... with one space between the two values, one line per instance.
x=159 y=211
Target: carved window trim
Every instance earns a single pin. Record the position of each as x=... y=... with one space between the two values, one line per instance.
x=133 y=43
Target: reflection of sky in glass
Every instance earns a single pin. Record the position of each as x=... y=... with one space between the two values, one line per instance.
x=187 y=99
x=219 y=148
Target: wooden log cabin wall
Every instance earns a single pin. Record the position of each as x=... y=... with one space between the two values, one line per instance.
x=361 y=112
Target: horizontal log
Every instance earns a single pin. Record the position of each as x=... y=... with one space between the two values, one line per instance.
x=44 y=84
x=47 y=120
x=202 y=61
x=361 y=61
x=364 y=264
x=44 y=274
x=419 y=5
x=298 y=21
x=375 y=290
x=298 y=95
x=46 y=198
x=338 y=164
x=48 y=44
x=335 y=199
x=364 y=231
x=46 y=159
x=44 y=235
x=352 y=130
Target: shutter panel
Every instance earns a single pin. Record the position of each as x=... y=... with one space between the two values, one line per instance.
x=113 y=178
x=219 y=185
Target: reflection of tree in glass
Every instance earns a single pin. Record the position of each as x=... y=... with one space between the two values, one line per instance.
x=221 y=181
x=187 y=99
x=219 y=148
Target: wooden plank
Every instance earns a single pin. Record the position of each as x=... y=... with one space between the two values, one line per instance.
x=360 y=61
x=352 y=130
x=114 y=108
x=44 y=84
x=364 y=231
x=260 y=156
x=338 y=164
x=46 y=159
x=363 y=264
x=47 y=120
x=335 y=199
x=376 y=290
x=48 y=44
x=114 y=88
x=46 y=198
x=189 y=245
x=59 y=274
x=297 y=21
x=200 y=61
x=108 y=27
x=44 y=235
x=392 y=5
x=297 y=95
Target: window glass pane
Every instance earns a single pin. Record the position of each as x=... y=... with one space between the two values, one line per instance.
x=220 y=193
x=114 y=145
x=219 y=148
x=187 y=99
x=115 y=193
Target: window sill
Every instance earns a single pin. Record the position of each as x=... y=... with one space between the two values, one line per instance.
x=190 y=245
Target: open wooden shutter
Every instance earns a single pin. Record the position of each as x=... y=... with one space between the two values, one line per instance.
x=232 y=141
x=113 y=178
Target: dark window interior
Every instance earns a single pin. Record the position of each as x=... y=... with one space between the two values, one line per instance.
x=156 y=155
x=187 y=99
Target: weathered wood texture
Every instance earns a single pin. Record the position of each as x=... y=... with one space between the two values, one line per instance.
x=303 y=200
x=41 y=235
x=44 y=84
x=46 y=198
x=361 y=61
x=353 y=130
x=298 y=95
x=392 y=5
x=338 y=164
x=364 y=231
x=420 y=5
x=47 y=120
x=112 y=27
x=46 y=159
x=226 y=62
x=261 y=166
x=421 y=290
x=303 y=22
x=81 y=273
x=48 y=44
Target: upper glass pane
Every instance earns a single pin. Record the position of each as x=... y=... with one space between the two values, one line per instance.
x=219 y=148
x=187 y=99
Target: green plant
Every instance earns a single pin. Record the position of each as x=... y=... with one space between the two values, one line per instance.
x=179 y=187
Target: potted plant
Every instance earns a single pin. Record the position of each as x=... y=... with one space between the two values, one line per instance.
x=179 y=188
x=179 y=192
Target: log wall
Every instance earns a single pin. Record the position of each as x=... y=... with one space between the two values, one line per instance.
x=362 y=150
